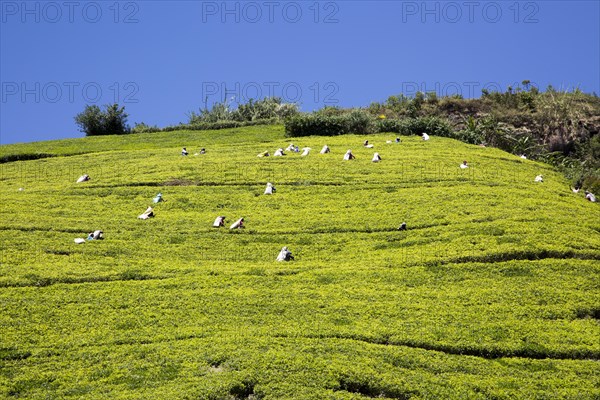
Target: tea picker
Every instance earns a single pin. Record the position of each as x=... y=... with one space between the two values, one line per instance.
x=270 y=189
x=285 y=255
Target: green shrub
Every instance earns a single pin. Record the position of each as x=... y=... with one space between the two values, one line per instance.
x=253 y=110
x=416 y=126
x=218 y=112
x=392 y=125
x=143 y=128
x=315 y=124
x=329 y=111
x=267 y=108
x=361 y=122
x=111 y=121
x=432 y=125
x=397 y=103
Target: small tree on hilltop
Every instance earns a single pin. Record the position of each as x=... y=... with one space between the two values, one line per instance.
x=111 y=121
x=115 y=120
x=90 y=121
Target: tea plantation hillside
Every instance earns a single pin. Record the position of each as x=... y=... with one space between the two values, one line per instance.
x=491 y=293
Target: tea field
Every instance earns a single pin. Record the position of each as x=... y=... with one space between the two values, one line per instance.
x=493 y=291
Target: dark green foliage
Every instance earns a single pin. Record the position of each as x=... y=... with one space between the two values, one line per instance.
x=369 y=386
x=472 y=133
x=393 y=125
x=592 y=183
x=316 y=124
x=431 y=125
x=487 y=130
x=589 y=313
x=90 y=121
x=111 y=121
x=7 y=354
x=515 y=99
x=360 y=122
x=244 y=389
x=416 y=126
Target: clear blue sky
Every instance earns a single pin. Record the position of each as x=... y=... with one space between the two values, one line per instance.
x=163 y=59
